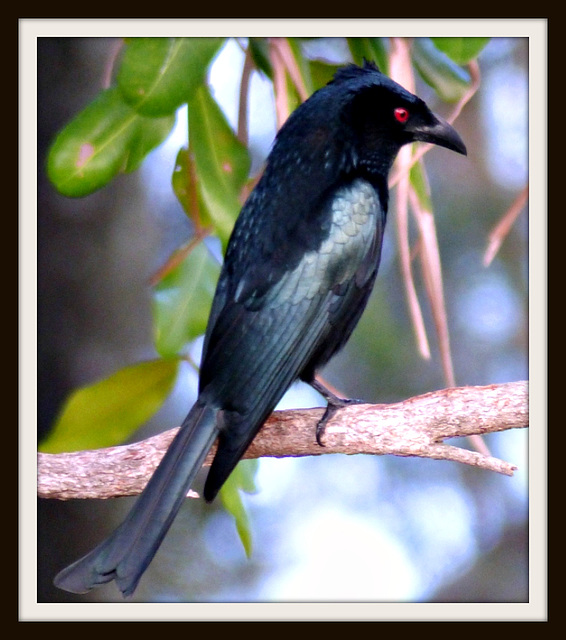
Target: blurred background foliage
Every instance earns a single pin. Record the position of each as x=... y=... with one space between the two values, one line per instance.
x=137 y=196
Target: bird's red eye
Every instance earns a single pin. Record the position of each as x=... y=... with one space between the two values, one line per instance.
x=401 y=114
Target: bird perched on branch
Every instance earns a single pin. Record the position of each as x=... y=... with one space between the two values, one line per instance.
x=298 y=272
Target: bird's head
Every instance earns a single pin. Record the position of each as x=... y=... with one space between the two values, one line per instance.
x=356 y=123
x=381 y=116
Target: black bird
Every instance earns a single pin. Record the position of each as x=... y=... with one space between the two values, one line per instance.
x=298 y=271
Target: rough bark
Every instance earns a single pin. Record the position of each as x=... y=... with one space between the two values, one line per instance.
x=415 y=427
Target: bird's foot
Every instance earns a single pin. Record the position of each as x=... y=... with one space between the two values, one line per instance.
x=333 y=403
x=331 y=408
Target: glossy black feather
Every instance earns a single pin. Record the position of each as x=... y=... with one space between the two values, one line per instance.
x=298 y=271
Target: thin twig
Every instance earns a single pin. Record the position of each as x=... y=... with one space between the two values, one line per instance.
x=402 y=221
x=179 y=255
x=432 y=276
x=284 y=50
x=279 y=84
x=401 y=71
x=244 y=96
x=501 y=230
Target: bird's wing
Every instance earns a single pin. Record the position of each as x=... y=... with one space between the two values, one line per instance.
x=261 y=342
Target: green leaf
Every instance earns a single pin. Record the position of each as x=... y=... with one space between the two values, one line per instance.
x=461 y=50
x=259 y=49
x=448 y=79
x=372 y=49
x=92 y=148
x=107 y=137
x=182 y=301
x=185 y=186
x=303 y=65
x=322 y=73
x=150 y=133
x=107 y=412
x=222 y=162
x=158 y=75
x=419 y=182
x=180 y=180
x=241 y=479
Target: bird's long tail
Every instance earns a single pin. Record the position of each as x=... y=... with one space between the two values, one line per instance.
x=126 y=554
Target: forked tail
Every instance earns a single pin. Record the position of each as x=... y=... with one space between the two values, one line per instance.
x=127 y=552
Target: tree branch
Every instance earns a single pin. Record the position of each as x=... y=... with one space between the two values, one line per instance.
x=415 y=427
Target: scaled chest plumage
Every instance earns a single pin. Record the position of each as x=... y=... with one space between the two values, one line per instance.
x=353 y=220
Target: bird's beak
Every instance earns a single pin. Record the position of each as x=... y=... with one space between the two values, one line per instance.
x=440 y=133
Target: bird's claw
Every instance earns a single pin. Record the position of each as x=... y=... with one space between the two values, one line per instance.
x=331 y=408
